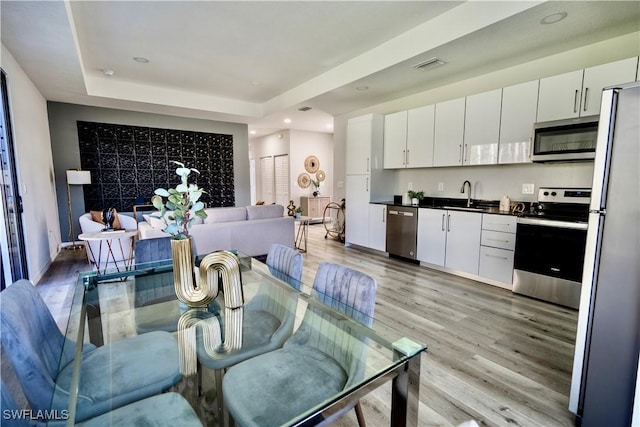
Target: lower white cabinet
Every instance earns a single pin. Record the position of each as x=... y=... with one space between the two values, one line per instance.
x=449 y=238
x=377 y=227
x=357 y=210
x=497 y=248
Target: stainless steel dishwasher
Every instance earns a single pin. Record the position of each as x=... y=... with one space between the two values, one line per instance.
x=402 y=228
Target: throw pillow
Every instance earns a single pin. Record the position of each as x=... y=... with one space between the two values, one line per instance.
x=96 y=216
x=154 y=222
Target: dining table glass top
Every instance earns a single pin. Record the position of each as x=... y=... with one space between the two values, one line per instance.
x=115 y=305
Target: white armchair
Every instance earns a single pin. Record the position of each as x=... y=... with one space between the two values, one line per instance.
x=122 y=248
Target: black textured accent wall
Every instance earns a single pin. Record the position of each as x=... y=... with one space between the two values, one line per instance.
x=127 y=163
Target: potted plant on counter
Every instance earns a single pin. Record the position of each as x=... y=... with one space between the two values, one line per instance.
x=415 y=197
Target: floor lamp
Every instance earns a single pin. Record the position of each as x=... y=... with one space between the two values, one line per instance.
x=75 y=177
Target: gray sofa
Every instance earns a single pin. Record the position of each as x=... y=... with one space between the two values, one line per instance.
x=250 y=229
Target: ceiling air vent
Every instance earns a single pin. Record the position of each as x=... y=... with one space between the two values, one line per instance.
x=429 y=64
x=304 y=108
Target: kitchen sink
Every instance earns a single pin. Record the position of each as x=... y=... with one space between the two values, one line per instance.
x=464 y=208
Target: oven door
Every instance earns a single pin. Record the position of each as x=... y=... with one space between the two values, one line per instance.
x=548 y=260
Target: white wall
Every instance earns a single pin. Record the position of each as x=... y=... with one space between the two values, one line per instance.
x=492 y=182
x=34 y=166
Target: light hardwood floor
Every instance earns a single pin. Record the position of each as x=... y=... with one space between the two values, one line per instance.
x=493 y=356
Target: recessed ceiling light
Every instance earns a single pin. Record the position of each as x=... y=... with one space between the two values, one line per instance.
x=252 y=132
x=362 y=88
x=553 y=18
x=287 y=120
x=108 y=72
x=141 y=60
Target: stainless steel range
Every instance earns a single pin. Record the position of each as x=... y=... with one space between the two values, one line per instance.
x=550 y=246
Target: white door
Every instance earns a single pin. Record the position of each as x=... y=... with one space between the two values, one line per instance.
x=449 y=133
x=281 y=179
x=378 y=227
x=463 y=241
x=420 y=134
x=432 y=235
x=359 y=145
x=395 y=140
x=519 y=107
x=357 y=210
x=266 y=180
x=482 y=128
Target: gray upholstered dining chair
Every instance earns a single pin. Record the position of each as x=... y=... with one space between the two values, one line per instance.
x=163 y=410
x=285 y=263
x=111 y=376
x=268 y=318
x=272 y=388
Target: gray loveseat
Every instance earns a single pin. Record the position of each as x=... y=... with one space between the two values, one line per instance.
x=250 y=229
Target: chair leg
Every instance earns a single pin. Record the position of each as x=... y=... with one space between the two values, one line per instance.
x=219 y=398
x=360 y=415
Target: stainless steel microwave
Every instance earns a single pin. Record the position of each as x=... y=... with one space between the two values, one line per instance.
x=565 y=140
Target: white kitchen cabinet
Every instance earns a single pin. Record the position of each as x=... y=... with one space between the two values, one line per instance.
x=449 y=133
x=357 y=209
x=578 y=93
x=366 y=180
x=378 y=227
x=518 y=114
x=497 y=248
x=432 y=235
x=360 y=133
x=482 y=128
x=408 y=138
x=420 y=129
x=395 y=140
x=463 y=241
x=449 y=238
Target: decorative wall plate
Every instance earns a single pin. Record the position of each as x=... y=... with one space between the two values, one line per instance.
x=304 y=180
x=311 y=164
x=320 y=176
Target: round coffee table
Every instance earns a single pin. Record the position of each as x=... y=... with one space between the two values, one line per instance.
x=113 y=241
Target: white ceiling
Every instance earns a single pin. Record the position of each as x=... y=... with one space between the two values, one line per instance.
x=257 y=62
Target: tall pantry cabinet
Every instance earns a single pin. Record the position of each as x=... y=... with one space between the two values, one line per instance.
x=366 y=180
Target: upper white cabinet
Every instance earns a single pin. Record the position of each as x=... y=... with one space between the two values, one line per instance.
x=408 y=138
x=395 y=140
x=449 y=133
x=360 y=135
x=482 y=128
x=578 y=93
x=519 y=108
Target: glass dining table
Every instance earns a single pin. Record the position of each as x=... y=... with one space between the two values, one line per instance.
x=114 y=305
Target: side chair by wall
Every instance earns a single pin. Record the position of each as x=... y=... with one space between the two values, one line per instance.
x=272 y=388
x=111 y=376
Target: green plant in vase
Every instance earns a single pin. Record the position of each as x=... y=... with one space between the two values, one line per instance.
x=415 y=196
x=183 y=203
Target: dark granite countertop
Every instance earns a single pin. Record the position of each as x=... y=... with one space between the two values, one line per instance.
x=477 y=205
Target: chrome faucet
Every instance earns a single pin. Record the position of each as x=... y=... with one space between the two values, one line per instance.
x=468 y=195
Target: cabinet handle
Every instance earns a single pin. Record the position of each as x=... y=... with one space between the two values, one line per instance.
x=497 y=240
x=448 y=223
x=367 y=185
x=442 y=222
x=466 y=151
x=368 y=164
x=384 y=214
x=575 y=102
x=586 y=98
x=499 y=224
x=495 y=256
x=459 y=153
x=404 y=157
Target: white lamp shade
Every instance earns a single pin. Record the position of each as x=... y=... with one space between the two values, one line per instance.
x=76 y=177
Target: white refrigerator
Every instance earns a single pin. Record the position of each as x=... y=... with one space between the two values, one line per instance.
x=605 y=369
